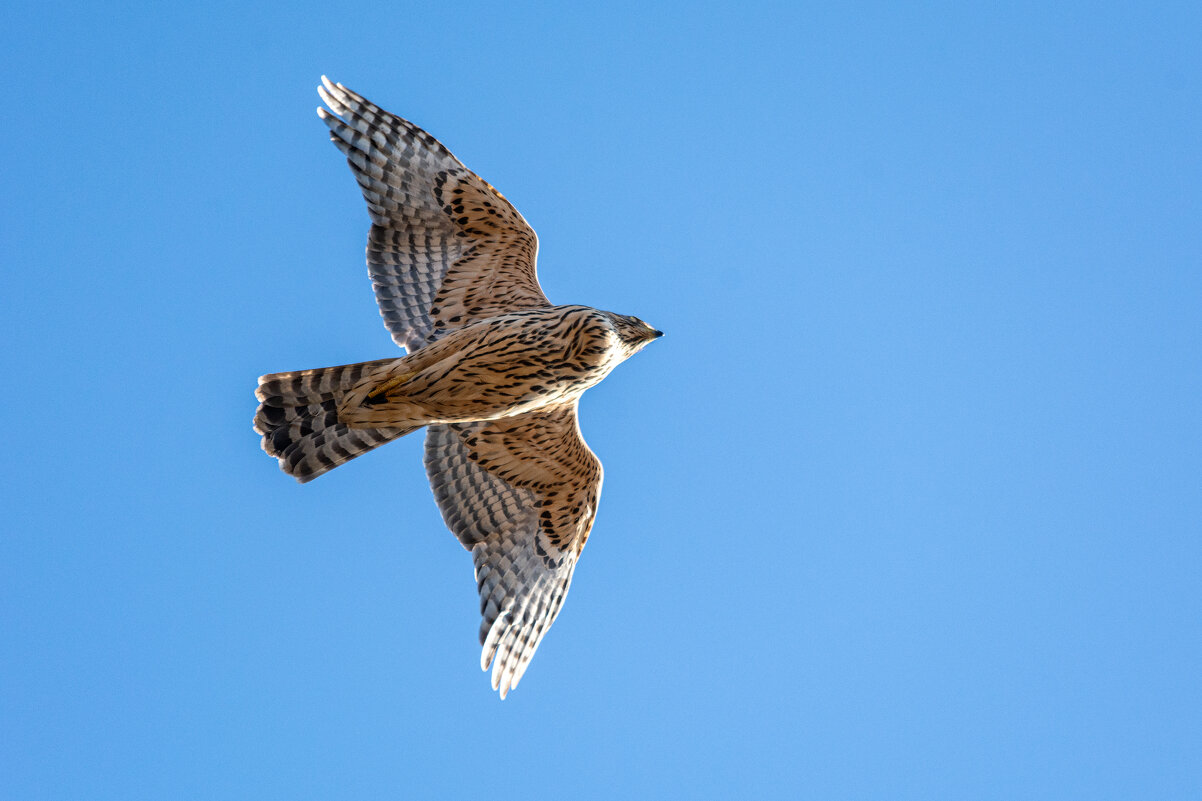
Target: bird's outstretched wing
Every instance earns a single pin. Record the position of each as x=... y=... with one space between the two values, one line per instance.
x=521 y=494
x=445 y=248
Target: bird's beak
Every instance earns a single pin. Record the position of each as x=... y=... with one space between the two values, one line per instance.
x=656 y=334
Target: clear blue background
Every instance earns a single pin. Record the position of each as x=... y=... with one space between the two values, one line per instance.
x=906 y=505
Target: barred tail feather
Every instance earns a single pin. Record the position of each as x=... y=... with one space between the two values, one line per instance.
x=298 y=418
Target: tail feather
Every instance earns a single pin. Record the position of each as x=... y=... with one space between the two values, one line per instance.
x=298 y=418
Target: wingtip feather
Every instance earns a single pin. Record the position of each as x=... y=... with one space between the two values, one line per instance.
x=333 y=95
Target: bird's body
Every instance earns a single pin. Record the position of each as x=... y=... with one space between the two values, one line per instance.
x=498 y=367
x=494 y=371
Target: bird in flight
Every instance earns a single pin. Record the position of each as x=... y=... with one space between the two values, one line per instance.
x=493 y=371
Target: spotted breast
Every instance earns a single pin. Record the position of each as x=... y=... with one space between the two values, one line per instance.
x=499 y=367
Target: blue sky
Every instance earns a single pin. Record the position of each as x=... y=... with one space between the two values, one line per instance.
x=905 y=505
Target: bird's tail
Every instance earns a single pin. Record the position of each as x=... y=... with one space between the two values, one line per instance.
x=298 y=418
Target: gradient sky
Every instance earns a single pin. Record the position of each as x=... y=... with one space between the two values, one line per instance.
x=906 y=504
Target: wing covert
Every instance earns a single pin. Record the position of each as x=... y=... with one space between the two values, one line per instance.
x=445 y=248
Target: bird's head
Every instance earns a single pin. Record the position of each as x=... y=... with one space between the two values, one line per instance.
x=633 y=333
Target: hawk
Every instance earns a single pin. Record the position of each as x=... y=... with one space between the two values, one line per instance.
x=493 y=371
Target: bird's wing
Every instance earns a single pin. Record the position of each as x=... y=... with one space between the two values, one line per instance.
x=521 y=494
x=445 y=248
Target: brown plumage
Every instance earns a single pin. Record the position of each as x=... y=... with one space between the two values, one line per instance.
x=493 y=371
